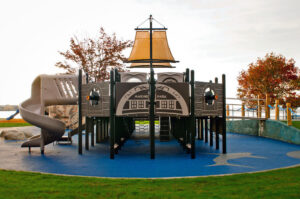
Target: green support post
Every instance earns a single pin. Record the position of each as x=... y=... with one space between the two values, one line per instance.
x=198 y=129
x=188 y=133
x=87 y=121
x=187 y=75
x=112 y=115
x=184 y=137
x=211 y=122
x=152 y=97
x=201 y=129
x=87 y=130
x=224 y=114
x=193 y=121
x=217 y=131
x=186 y=121
x=98 y=135
x=217 y=124
x=117 y=121
x=102 y=129
x=92 y=131
x=117 y=76
x=206 y=130
x=79 y=112
x=151 y=115
x=105 y=127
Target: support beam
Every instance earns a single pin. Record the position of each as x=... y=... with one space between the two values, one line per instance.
x=201 y=129
x=87 y=130
x=79 y=113
x=92 y=131
x=151 y=115
x=98 y=131
x=187 y=75
x=206 y=130
x=216 y=123
x=112 y=115
x=211 y=122
x=217 y=127
x=198 y=129
x=105 y=123
x=152 y=98
x=193 y=120
x=224 y=114
x=185 y=139
x=42 y=147
x=87 y=121
x=102 y=129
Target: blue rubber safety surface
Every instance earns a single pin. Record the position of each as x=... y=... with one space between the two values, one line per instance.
x=245 y=154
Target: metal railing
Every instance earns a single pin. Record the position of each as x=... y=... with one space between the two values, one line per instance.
x=239 y=108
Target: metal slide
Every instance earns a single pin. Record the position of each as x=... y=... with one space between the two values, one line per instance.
x=48 y=90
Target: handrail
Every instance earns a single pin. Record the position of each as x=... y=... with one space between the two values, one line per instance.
x=245 y=99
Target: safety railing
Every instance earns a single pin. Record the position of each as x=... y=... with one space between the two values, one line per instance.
x=238 y=108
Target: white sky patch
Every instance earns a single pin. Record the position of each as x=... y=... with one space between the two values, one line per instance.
x=210 y=36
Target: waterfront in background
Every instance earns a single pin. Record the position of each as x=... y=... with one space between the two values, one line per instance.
x=6 y=114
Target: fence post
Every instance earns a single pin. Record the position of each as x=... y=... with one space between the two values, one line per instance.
x=227 y=110
x=258 y=107
x=243 y=109
x=276 y=110
x=267 y=108
x=288 y=114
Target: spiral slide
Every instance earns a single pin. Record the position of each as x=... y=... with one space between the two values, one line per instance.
x=48 y=90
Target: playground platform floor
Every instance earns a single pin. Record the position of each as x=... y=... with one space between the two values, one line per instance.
x=245 y=154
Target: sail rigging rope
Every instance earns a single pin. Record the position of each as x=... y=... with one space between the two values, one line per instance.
x=153 y=20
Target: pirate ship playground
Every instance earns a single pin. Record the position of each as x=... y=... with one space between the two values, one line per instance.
x=185 y=108
x=175 y=99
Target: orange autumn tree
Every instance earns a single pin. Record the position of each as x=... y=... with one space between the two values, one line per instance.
x=273 y=75
x=95 y=56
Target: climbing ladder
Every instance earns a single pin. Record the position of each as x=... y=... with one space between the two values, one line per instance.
x=164 y=133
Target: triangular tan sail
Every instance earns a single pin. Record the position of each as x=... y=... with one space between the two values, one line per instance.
x=160 y=48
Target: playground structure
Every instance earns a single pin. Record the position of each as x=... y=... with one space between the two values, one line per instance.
x=180 y=106
x=114 y=106
x=174 y=98
x=180 y=103
x=260 y=109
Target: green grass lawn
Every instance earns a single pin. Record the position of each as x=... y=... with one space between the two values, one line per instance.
x=283 y=183
x=14 y=124
x=295 y=124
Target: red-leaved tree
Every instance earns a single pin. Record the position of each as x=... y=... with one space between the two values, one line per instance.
x=95 y=56
x=273 y=75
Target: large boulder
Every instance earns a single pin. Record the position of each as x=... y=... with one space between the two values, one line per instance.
x=15 y=134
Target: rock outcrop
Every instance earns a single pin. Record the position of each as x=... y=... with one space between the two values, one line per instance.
x=15 y=134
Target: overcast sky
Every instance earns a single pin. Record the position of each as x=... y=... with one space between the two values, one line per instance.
x=210 y=36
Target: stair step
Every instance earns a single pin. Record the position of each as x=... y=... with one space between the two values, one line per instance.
x=64 y=139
